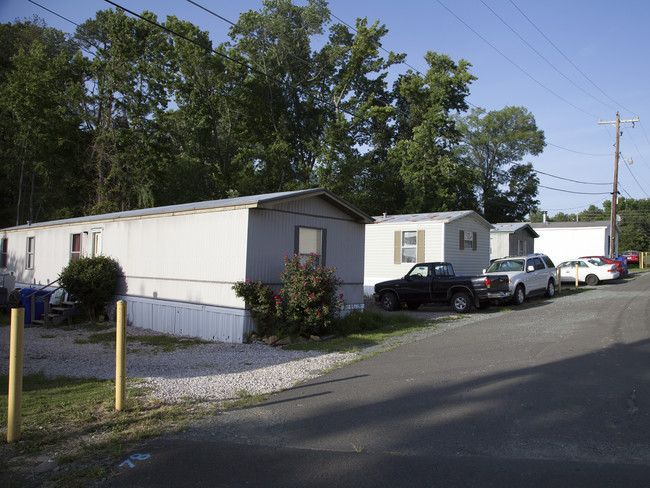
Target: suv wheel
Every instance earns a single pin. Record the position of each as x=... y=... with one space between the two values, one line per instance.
x=519 y=295
x=550 y=289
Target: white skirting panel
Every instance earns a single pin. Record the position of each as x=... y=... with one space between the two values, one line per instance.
x=187 y=319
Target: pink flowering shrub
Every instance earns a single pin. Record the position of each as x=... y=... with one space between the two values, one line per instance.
x=307 y=304
x=308 y=301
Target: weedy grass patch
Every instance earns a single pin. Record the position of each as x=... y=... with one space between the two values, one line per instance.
x=73 y=421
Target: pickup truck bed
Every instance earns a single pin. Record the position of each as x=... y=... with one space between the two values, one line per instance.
x=437 y=283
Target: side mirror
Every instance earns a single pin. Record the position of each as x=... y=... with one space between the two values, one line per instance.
x=530 y=268
x=484 y=271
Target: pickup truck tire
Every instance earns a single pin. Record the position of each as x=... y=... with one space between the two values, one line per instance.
x=519 y=295
x=413 y=305
x=389 y=301
x=461 y=302
x=550 y=289
x=592 y=280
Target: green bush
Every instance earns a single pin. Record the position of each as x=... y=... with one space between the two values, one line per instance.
x=91 y=281
x=260 y=300
x=307 y=304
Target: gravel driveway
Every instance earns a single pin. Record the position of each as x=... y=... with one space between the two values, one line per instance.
x=210 y=372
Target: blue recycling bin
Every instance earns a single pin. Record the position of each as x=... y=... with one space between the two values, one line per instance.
x=39 y=303
x=623 y=261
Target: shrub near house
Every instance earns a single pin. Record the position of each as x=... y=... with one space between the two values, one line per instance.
x=306 y=305
x=91 y=281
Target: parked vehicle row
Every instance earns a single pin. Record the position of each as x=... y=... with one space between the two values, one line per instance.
x=511 y=279
x=590 y=271
x=438 y=283
x=530 y=275
x=621 y=264
x=632 y=256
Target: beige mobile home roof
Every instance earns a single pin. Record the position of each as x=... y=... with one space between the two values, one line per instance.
x=253 y=201
x=444 y=217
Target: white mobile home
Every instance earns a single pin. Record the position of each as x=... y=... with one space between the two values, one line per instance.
x=567 y=240
x=179 y=263
x=512 y=239
x=394 y=243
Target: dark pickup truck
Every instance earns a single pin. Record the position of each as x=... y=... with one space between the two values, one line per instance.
x=437 y=282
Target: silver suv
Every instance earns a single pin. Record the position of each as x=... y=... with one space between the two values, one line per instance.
x=533 y=274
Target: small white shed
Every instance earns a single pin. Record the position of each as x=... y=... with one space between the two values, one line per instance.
x=394 y=243
x=180 y=262
x=567 y=240
x=512 y=239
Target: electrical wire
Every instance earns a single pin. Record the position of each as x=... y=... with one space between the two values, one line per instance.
x=575 y=192
x=567 y=58
x=576 y=152
x=515 y=64
x=567 y=179
x=53 y=12
x=544 y=58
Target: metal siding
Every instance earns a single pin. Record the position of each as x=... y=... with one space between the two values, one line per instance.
x=179 y=269
x=205 y=322
x=562 y=244
x=467 y=261
x=272 y=235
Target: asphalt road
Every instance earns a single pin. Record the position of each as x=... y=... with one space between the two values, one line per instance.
x=556 y=393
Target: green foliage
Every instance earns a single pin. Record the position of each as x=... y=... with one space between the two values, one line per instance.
x=493 y=144
x=92 y=281
x=307 y=304
x=308 y=301
x=260 y=300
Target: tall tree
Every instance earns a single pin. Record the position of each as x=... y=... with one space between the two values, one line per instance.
x=432 y=177
x=357 y=132
x=42 y=90
x=493 y=143
x=129 y=90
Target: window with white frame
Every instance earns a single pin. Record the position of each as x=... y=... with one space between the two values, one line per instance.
x=4 y=251
x=75 y=247
x=31 y=252
x=409 y=246
x=310 y=242
x=96 y=242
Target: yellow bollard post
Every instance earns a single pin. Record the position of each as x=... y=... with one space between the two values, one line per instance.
x=15 y=374
x=120 y=355
x=559 y=280
x=576 y=275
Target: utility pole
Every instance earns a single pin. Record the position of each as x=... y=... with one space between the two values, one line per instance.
x=612 y=230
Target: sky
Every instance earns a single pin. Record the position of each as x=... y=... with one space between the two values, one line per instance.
x=572 y=64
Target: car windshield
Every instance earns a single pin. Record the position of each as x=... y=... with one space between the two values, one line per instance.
x=509 y=265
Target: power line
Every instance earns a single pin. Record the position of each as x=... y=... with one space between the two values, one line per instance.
x=53 y=12
x=544 y=58
x=515 y=64
x=567 y=179
x=577 y=152
x=566 y=57
x=575 y=192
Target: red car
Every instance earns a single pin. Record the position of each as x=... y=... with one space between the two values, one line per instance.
x=621 y=266
x=632 y=256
